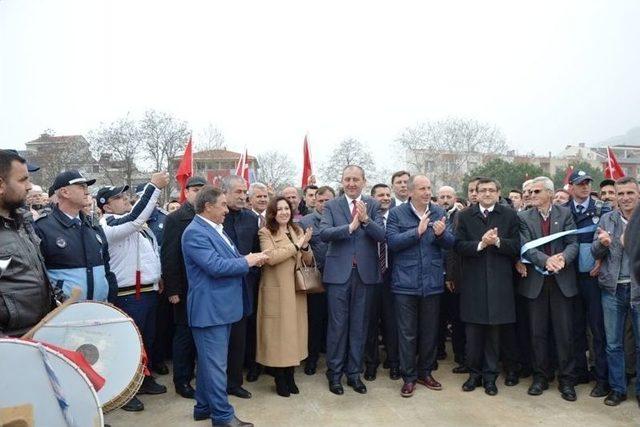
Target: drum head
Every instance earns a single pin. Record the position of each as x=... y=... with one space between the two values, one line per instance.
x=26 y=384
x=107 y=338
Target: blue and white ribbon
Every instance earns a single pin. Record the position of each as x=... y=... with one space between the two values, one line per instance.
x=550 y=238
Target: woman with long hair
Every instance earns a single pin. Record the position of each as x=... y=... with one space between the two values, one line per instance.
x=282 y=313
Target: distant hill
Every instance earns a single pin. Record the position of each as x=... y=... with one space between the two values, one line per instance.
x=632 y=137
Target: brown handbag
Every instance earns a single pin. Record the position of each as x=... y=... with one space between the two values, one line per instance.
x=308 y=278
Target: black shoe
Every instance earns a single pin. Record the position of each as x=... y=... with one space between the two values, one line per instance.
x=600 y=390
x=511 y=379
x=185 y=390
x=134 y=405
x=490 y=388
x=442 y=355
x=537 y=387
x=614 y=398
x=254 y=373
x=239 y=392
x=460 y=369
x=471 y=383
x=370 y=373
x=150 y=386
x=281 y=384
x=290 y=380
x=310 y=367
x=568 y=392
x=235 y=422
x=394 y=373
x=160 y=368
x=201 y=416
x=336 y=388
x=357 y=385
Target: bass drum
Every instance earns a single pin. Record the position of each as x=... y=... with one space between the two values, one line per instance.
x=108 y=339
x=41 y=387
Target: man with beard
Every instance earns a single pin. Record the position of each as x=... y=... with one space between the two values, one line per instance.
x=241 y=225
x=608 y=192
x=23 y=279
x=382 y=311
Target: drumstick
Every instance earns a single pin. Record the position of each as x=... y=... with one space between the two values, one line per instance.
x=75 y=296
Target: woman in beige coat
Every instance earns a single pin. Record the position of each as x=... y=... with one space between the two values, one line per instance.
x=282 y=313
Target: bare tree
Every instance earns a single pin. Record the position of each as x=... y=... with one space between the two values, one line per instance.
x=116 y=145
x=163 y=137
x=59 y=156
x=447 y=149
x=276 y=169
x=350 y=152
x=210 y=138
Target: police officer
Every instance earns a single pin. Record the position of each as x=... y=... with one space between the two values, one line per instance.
x=75 y=251
x=586 y=213
x=164 y=313
x=23 y=279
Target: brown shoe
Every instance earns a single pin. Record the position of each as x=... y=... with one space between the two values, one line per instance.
x=430 y=383
x=407 y=389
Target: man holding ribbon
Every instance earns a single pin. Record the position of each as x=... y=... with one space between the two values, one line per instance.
x=550 y=247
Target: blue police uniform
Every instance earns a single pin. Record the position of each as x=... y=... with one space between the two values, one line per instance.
x=76 y=254
x=588 y=304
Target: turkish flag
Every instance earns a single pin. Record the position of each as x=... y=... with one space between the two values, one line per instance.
x=185 y=170
x=612 y=169
x=242 y=168
x=307 y=170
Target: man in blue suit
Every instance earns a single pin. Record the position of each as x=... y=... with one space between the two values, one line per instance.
x=351 y=269
x=216 y=299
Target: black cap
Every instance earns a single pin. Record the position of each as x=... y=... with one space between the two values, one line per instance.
x=579 y=176
x=31 y=167
x=105 y=193
x=69 y=178
x=196 y=181
x=606 y=182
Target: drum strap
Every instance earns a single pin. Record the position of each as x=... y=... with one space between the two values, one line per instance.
x=55 y=385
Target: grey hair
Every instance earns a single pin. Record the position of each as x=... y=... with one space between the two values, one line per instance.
x=354 y=167
x=526 y=184
x=412 y=179
x=546 y=181
x=256 y=186
x=229 y=181
x=208 y=194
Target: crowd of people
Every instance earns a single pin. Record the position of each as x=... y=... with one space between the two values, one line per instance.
x=537 y=282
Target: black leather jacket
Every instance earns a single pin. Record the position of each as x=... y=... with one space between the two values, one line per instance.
x=25 y=292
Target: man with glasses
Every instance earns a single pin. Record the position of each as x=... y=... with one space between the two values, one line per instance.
x=549 y=284
x=75 y=251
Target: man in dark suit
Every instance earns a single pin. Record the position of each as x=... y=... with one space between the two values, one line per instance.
x=317 y=303
x=217 y=298
x=488 y=241
x=241 y=225
x=382 y=315
x=351 y=269
x=587 y=212
x=176 y=287
x=550 y=286
x=416 y=235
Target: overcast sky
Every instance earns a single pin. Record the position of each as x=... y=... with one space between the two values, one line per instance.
x=548 y=73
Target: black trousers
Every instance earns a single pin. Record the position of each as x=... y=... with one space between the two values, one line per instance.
x=523 y=335
x=450 y=314
x=417 y=334
x=509 y=347
x=382 y=317
x=162 y=346
x=184 y=355
x=235 y=357
x=552 y=310
x=317 y=318
x=483 y=349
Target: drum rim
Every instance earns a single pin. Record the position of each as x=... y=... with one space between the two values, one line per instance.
x=70 y=363
x=134 y=385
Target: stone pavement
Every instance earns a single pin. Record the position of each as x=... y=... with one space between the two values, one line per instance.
x=383 y=406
